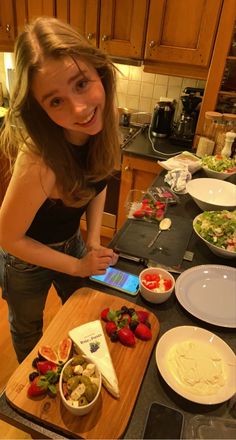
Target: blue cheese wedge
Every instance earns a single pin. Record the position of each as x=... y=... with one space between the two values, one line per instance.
x=90 y=340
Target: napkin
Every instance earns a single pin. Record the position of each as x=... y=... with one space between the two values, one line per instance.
x=185 y=159
x=178 y=178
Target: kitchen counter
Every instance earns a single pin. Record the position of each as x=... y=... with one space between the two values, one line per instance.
x=141 y=146
x=170 y=314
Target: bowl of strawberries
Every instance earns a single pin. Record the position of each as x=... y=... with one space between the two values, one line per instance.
x=156 y=284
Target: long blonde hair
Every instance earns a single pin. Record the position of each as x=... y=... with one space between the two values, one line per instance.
x=27 y=125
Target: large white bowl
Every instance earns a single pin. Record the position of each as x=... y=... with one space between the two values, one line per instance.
x=150 y=295
x=222 y=175
x=215 y=249
x=212 y=194
x=80 y=410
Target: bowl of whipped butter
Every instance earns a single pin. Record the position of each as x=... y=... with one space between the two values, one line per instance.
x=197 y=364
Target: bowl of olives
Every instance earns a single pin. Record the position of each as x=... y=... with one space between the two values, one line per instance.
x=80 y=385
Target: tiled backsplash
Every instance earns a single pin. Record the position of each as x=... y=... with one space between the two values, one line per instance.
x=140 y=91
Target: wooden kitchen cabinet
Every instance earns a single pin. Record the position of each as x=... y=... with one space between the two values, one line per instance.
x=4 y=176
x=218 y=64
x=117 y=26
x=83 y=15
x=27 y=10
x=123 y=27
x=7 y=26
x=136 y=173
x=180 y=36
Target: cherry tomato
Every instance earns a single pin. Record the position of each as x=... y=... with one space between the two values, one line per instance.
x=167 y=284
x=147 y=277
x=155 y=277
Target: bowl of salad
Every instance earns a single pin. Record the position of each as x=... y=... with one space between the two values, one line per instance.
x=218 y=230
x=218 y=166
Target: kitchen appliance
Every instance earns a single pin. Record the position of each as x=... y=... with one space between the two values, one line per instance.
x=162 y=117
x=185 y=126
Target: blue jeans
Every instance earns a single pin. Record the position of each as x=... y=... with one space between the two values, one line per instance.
x=25 y=288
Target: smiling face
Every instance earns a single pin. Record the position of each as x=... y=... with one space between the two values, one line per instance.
x=72 y=95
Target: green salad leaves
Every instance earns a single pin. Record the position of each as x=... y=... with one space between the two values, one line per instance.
x=218 y=228
x=219 y=163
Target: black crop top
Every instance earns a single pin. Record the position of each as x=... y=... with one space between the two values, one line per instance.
x=55 y=222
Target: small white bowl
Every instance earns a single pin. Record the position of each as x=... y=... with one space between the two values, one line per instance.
x=150 y=295
x=80 y=410
x=212 y=194
x=215 y=249
x=222 y=175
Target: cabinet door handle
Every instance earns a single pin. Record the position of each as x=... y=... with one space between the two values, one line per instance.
x=127 y=168
x=105 y=37
x=8 y=27
x=152 y=44
x=90 y=36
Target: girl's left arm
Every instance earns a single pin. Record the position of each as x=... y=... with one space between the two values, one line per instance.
x=94 y=214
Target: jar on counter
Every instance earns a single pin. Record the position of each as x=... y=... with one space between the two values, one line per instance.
x=211 y=124
x=229 y=124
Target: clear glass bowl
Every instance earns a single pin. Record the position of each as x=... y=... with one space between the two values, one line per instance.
x=141 y=205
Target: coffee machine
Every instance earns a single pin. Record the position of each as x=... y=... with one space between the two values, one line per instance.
x=184 y=127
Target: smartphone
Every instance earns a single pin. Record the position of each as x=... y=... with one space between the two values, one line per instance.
x=163 y=422
x=118 y=279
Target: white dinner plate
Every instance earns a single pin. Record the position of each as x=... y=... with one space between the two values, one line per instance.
x=199 y=335
x=209 y=293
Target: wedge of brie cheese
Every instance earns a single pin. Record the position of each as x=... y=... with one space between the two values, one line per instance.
x=90 y=340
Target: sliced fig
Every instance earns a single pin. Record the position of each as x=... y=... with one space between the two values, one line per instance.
x=48 y=353
x=64 y=350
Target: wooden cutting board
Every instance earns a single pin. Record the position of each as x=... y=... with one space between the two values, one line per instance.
x=110 y=417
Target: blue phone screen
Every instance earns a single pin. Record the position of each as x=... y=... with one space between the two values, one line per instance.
x=118 y=279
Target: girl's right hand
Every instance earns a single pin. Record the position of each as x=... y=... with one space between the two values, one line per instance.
x=95 y=262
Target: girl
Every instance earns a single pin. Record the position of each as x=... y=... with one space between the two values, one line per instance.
x=61 y=138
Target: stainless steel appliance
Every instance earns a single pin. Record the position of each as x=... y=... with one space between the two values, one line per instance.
x=184 y=128
x=162 y=117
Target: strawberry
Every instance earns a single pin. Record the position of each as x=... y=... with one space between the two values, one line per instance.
x=160 y=214
x=143 y=332
x=104 y=314
x=139 y=213
x=44 y=366
x=38 y=387
x=142 y=315
x=111 y=328
x=126 y=337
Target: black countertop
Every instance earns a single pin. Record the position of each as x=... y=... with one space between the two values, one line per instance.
x=141 y=146
x=170 y=314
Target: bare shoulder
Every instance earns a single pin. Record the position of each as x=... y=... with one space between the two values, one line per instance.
x=31 y=168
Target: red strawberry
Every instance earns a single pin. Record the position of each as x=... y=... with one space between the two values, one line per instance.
x=126 y=337
x=44 y=366
x=111 y=328
x=142 y=315
x=139 y=213
x=104 y=314
x=38 y=387
x=143 y=332
x=160 y=214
